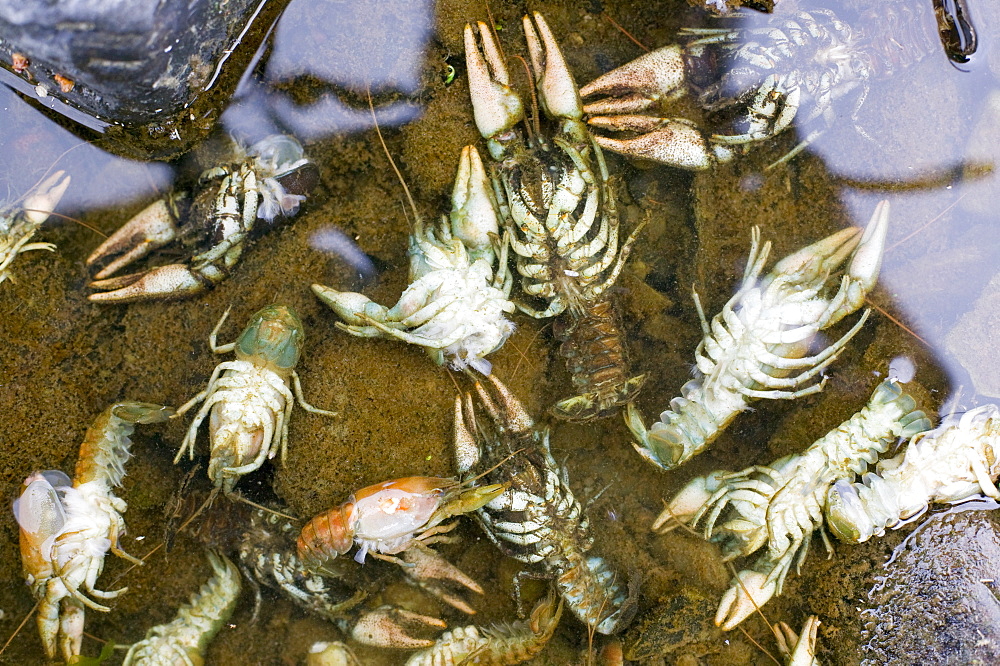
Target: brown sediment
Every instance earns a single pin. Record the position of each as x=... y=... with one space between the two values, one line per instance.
x=63 y=360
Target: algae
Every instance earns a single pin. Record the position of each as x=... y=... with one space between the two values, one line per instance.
x=65 y=359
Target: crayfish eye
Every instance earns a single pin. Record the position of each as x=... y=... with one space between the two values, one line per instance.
x=274 y=336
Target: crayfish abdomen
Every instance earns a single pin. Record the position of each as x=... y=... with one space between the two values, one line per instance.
x=597 y=358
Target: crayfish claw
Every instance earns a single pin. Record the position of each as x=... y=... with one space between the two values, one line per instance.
x=815 y=262
x=474 y=213
x=811 y=266
x=70 y=635
x=638 y=85
x=862 y=273
x=391 y=627
x=689 y=502
x=163 y=283
x=749 y=591
x=868 y=257
x=495 y=106
x=40 y=201
x=557 y=90
x=467 y=454
x=348 y=305
x=797 y=649
x=151 y=229
x=505 y=408
x=440 y=577
x=674 y=141
x=142 y=412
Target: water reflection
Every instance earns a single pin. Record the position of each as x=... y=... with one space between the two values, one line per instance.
x=336 y=243
x=904 y=137
x=324 y=58
x=945 y=243
x=32 y=145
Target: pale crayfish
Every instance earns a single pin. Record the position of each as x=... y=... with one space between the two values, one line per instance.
x=763 y=335
x=752 y=81
x=18 y=225
x=68 y=527
x=185 y=639
x=456 y=303
x=536 y=519
x=250 y=399
x=268 y=179
x=783 y=504
x=956 y=462
x=560 y=214
x=500 y=644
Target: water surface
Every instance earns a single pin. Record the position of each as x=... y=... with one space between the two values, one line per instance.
x=64 y=359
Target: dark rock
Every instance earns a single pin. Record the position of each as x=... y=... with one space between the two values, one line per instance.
x=937 y=601
x=151 y=74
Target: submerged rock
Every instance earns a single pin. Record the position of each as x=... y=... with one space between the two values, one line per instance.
x=152 y=75
x=938 y=600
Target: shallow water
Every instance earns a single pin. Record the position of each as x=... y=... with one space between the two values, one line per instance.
x=65 y=359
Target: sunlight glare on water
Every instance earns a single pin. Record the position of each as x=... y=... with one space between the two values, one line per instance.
x=32 y=145
x=331 y=48
x=926 y=138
